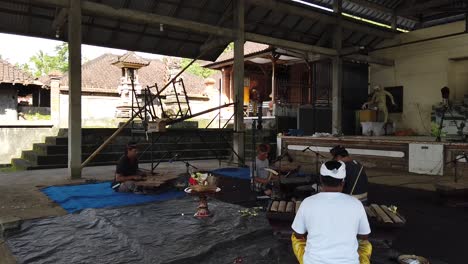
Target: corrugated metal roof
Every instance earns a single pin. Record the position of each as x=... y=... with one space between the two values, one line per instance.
x=22 y=17
x=406 y=22
x=31 y=18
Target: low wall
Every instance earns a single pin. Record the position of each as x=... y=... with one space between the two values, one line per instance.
x=387 y=153
x=96 y=111
x=13 y=140
x=8 y=103
x=384 y=155
x=34 y=110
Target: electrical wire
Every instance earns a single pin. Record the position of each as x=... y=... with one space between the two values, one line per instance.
x=421 y=119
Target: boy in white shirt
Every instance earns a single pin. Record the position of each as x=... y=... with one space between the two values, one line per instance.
x=262 y=179
x=334 y=223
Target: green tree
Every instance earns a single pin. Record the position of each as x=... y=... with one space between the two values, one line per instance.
x=45 y=63
x=229 y=47
x=197 y=69
x=24 y=67
x=62 y=57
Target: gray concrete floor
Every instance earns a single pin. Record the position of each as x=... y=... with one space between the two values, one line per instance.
x=20 y=191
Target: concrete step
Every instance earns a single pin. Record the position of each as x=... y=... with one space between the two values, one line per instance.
x=56 y=140
x=63 y=132
x=123 y=140
x=29 y=155
x=25 y=165
x=58 y=166
x=112 y=157
x=46 y=149
x=189 y=143
x=21 y=164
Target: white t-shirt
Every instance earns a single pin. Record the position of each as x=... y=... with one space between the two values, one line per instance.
x=261 y=165
x=332 y=221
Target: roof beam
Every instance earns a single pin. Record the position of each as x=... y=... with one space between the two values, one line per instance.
x=289 y=44
x=371 y=59
x=60 y=19
x=331 y=18
x=323 y=37
x=134 y=16
x=139 y=17
x=212 y=42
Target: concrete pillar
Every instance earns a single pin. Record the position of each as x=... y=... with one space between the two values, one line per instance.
x=231 y=86
x=309 y=82
x=337 y=85
x=239 y=81
x=227 y=83
x=55 y=99
x=74 y=84
x=273 y=83
x=337 y=74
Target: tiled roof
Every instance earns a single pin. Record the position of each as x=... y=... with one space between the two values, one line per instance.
x=101 y=76
x=131 y=58
x=11 y=74
x=249 y=48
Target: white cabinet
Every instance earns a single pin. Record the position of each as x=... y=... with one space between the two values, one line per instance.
x=426 y=158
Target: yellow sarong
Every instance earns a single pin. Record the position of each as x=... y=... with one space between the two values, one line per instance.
x=298 y=246
x=364 y=249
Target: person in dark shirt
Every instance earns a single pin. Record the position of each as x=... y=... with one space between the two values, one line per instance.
x=356 y=182
x=127 y=171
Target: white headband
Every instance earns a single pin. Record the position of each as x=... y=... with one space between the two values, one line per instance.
x=339 y=173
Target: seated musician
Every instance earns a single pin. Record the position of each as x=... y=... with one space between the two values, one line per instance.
x=331 y=227
x=356 y=178
x=263 y=178
x=127 y=171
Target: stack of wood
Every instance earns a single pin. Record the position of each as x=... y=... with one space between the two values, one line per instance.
x=382 y=215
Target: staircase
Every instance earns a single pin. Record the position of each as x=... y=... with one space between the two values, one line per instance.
x=190 y=144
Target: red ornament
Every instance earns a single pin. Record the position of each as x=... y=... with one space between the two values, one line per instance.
x=192 y=181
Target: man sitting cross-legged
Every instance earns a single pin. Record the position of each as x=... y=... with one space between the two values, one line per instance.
x=127 y=171
x=331 y=227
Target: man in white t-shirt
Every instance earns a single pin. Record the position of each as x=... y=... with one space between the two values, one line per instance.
x=335 y=223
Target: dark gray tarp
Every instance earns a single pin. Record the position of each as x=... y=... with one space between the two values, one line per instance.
x=153 y=233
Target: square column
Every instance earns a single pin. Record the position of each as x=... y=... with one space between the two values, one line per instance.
x=238 y=73
x=74 y=94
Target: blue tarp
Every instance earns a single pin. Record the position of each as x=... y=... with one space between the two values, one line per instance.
x=243 y=173
x=240 y=173
x=75 y=198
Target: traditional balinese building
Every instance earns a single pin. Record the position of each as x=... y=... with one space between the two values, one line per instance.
x=20 y=93
x=296 y=91
x=106 y=88
x=129 y=88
